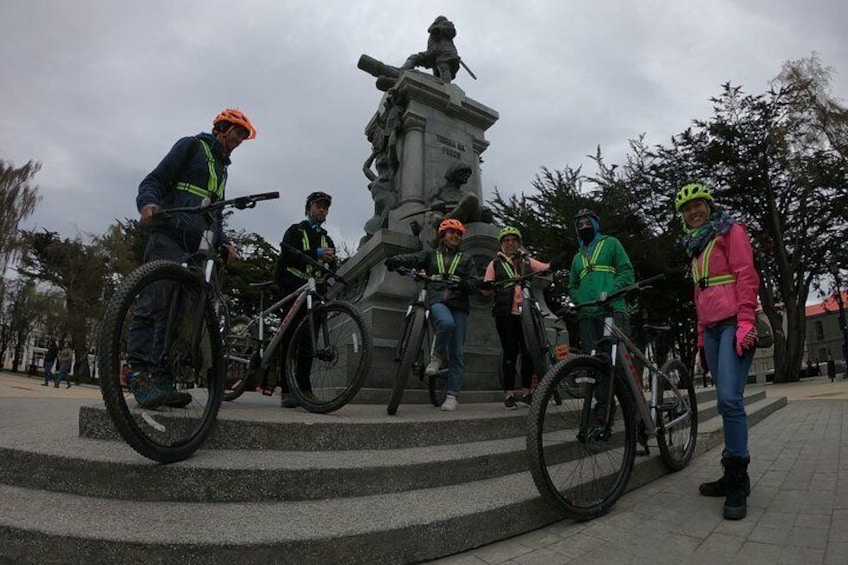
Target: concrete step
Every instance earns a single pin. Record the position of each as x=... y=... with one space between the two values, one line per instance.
x=400 y=527
x=84 y=466
x=258 y=422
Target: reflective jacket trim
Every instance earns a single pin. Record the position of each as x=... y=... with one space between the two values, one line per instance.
x=440 y=265
x=212 y=190
x=702 y=277
x=590 y=263
x=310 y=269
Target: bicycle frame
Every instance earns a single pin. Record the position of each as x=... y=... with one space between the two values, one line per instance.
x=623 y=356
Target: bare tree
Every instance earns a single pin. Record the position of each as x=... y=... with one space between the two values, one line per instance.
x=17 y=201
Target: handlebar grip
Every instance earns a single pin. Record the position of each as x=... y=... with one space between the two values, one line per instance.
x=264 y=196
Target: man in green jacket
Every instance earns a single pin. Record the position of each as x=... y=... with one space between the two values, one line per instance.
x=600 y=268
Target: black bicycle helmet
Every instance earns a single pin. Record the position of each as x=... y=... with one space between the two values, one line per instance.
x=318 y=195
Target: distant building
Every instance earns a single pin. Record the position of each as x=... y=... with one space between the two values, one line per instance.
x=824 y=334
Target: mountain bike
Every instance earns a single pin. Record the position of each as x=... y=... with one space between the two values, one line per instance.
x=543 y=353
x=328 y=355
x=181 y=307
x=415 y=346
x=581 y=454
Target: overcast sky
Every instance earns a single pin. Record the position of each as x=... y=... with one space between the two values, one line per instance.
x=99 y=90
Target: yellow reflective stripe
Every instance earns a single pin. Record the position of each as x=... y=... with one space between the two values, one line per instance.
x=720 y=280
x=310 y=270
x=701 y=278
x=508 y=268
x=196 y=190
x=590 y=264
x=212 y=185
x=440 y=265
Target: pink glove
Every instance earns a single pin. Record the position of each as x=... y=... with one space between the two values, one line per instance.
x=746 y=337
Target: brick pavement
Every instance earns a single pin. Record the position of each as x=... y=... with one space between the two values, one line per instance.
x=797 y=512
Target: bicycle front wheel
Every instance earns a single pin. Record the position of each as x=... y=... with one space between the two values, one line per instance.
x=410 y=355
x=161 y=322
x=580 y=462
x=327 y=376
x=677 y=418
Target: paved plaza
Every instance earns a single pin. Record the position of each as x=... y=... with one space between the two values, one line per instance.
x=798 y=510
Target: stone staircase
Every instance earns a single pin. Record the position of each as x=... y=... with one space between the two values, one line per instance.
x=282 y=486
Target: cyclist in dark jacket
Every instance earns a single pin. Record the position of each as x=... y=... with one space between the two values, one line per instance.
x=293 y=269
x=194 y=169
x=447 y=300
x=512 y=261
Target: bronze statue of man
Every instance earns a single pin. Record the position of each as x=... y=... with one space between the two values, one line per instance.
x=441 y=54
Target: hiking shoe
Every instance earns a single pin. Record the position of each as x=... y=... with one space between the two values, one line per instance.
x=509 y=403
x=152 y=392
x=288 y=400
x=450 y=403
x=436 y=363
x=526 y=400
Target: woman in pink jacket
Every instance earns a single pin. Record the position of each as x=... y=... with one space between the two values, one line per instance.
x=726 y=286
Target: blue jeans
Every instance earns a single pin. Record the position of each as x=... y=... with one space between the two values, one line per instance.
x=64 y=369
x=146 y=335
x=730 y=373
x=450 y=342
x=48 y=371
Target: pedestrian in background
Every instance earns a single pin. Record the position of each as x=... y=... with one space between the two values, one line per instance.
x=831 y=368
x=49 y=361
x=65 y=357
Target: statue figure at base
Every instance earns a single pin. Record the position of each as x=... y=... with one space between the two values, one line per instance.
x=450 y=201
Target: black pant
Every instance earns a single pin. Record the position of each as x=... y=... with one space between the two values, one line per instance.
x=512 y=343
x=303 y=366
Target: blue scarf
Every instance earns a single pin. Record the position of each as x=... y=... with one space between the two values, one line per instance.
x=695 y=241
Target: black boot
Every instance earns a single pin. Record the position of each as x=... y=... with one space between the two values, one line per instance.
x=736 y=503
x=720 y=488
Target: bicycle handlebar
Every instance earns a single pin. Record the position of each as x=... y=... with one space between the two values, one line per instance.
x=637 y=286
x=421 y=276
x=240 y=203
x=519 y=280
x=330 y=273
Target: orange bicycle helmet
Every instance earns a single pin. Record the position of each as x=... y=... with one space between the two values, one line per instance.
x=236 y=117
x=451 y=224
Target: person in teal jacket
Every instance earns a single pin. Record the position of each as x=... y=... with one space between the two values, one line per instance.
x=600 y=267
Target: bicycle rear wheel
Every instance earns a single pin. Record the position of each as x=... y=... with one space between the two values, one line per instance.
x=410 y=354
x=240 y=357
x=541 y=354
x=161 y=318
x=580 y=464
x=677 y=441
x=327 y=377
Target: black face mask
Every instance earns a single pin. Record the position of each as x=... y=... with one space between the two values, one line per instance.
x=586 y=235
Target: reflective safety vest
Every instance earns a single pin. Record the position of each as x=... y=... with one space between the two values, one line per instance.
x=440 y=265
x=702 y=277
x=590 y=263
x=213 y=190
x=310 y=270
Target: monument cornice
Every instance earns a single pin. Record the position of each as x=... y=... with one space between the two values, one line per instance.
x=449 y=98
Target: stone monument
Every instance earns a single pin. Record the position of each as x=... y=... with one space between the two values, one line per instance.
x=426 y=139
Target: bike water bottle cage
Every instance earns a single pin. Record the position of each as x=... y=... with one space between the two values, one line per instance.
x=213 y=190
x=702 y=279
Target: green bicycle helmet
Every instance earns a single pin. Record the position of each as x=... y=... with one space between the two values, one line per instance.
x=691 y=192
x=509 y=230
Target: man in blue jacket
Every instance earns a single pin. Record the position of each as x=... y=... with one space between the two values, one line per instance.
x=194 y=169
